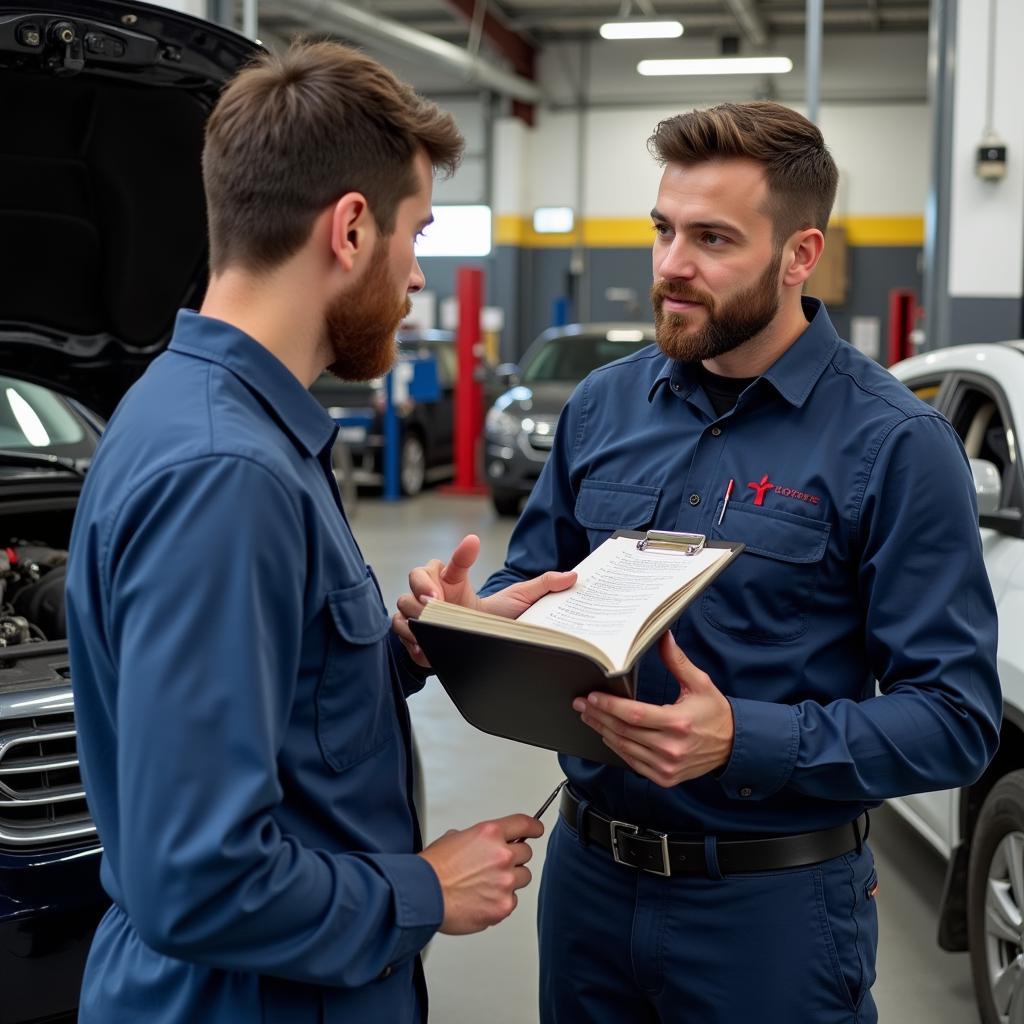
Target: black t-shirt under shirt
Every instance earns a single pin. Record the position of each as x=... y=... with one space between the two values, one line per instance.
x=722 y=392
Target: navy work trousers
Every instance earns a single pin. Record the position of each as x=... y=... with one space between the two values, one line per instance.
x=621 y=946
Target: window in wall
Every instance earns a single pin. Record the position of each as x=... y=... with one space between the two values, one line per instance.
x=457 y=231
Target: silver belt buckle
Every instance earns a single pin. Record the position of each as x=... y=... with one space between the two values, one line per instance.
x=666 y=871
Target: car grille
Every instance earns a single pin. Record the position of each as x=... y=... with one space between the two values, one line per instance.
x=42 y=802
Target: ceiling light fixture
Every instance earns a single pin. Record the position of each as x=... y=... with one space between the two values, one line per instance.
x=717 y=66
x=637 y=28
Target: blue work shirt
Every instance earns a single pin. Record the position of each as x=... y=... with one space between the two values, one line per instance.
x=242 y=725
x=863 y=562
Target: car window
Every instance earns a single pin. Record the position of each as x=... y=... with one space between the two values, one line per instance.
x=33 y=418
x=572 y=358
x=977 y=416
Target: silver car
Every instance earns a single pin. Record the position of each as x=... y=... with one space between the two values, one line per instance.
x=520 y=426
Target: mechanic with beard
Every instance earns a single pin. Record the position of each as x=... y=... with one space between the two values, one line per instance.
x=241 y=716
x=724 y=877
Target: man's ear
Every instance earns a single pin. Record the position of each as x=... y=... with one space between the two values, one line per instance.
x=352 y=228
x=801 y=255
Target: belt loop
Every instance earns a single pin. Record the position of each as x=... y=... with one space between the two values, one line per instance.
x=711 y=858
x=581 y=821
x=861 y=837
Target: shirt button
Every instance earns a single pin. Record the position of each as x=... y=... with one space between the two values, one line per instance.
x=746 y=791
x=716 y=431
x=695 y=499
x=386 y=973
x=676 y=385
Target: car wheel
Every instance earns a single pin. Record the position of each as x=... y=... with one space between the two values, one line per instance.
x=505 y=503
x=412 y=470
x=995 y=903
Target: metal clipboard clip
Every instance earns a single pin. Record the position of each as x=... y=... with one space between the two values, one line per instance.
x=668 y=540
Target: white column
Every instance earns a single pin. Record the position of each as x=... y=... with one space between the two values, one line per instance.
x=986 y=218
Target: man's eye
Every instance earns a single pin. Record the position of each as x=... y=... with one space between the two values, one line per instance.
x=660 y=229
x=712 y=239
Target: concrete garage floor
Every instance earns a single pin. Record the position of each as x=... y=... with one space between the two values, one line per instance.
x=492 y=977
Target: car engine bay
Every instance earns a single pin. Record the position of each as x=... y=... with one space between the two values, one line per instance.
x=32 y=579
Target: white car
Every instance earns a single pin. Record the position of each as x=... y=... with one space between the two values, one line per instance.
x=980 y=828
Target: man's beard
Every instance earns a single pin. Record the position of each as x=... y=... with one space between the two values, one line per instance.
x=361 y=323
x=728 y=324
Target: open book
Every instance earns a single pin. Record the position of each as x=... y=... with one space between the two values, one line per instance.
x=518 y=677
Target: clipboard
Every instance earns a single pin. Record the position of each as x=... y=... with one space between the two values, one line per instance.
x=524 y=691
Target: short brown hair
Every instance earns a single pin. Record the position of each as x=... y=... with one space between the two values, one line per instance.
x=800 y=172
x=292 y=133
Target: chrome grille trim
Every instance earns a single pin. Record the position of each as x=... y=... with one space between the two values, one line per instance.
x=42 y=799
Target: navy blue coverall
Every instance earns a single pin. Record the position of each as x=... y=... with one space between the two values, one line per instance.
x=863 y=562
x=242 y=724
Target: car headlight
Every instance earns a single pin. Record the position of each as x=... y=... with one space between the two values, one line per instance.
x=502 y=424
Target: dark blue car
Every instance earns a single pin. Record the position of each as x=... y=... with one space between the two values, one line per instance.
x=103 y=231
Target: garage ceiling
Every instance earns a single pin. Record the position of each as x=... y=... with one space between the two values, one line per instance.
x=543 y=21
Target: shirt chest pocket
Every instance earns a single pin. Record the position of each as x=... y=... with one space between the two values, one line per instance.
x=604 y=507
x=766 y=594
x=354 y=712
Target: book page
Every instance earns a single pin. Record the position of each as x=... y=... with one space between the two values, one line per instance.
x=617 y=590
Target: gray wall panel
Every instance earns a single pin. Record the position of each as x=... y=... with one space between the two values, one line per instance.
x=526 y=282
x=983 y=319
x=873 y=272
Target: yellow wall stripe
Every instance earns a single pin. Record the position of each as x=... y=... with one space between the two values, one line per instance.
x=637 y=233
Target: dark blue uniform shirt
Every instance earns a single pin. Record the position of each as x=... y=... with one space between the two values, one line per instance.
x=242 y=723
x=863 y=562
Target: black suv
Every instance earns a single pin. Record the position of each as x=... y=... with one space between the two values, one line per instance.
x=102 y=218
x=425 y=426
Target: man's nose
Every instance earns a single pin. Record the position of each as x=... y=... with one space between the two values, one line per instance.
x=416 y=277
x=677 y=263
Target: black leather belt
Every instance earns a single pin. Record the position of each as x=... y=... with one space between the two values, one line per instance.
x=652 y=851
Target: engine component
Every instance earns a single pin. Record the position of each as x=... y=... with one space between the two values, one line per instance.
x=32 y=577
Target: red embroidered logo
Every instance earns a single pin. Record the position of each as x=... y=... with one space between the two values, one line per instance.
x=761 y=489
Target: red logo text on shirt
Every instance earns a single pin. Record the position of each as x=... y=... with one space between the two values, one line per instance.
x=765 y=485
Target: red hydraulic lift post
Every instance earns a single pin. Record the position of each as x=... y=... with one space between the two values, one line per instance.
x=902 y=316
x=469 y=411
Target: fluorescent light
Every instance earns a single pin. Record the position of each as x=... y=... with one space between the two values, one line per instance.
x=621 y=335
x=553 y=220
x=457 y=231
x=637 y=29
x=717 y=66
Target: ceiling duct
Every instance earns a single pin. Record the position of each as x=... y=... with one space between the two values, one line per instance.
x=361 y=25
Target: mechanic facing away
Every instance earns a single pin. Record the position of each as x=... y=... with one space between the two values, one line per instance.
x=242 y=724
x=723 y=877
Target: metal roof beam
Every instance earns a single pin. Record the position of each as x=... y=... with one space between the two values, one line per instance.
x=750 y=20
x=357 y=23
x=509 y=43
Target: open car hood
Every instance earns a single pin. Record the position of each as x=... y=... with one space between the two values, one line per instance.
x=102 y=212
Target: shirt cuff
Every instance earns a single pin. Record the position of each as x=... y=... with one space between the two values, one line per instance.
x=419 y=903
x=411 y=677
x=764 y=749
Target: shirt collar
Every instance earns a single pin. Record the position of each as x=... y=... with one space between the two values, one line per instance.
x=793 y=374
x=218 y=342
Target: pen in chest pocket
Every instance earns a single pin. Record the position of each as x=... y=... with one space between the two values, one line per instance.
x=725 y=500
